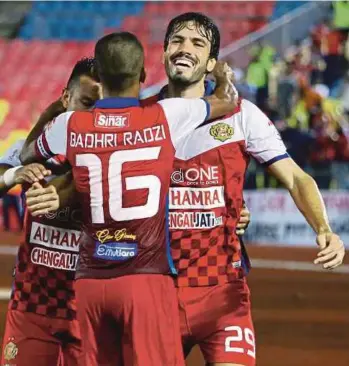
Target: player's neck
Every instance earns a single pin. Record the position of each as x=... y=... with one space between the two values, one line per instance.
x=196 y=90
x=132 y=92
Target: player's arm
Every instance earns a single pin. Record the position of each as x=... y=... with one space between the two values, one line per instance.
x=308 y=199
x=51 y=112
x=52 y=141
x=225 y=97
x=12 y=172
x=185 y=115
x=59 y=193
x=265 y=145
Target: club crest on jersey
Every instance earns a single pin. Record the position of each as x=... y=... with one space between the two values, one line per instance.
x=221 y=132
x=10 y=350
x=120 y=120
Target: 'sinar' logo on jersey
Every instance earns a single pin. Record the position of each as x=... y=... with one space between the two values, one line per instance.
x=10 y=351
x=221 y=132
x=112 y=120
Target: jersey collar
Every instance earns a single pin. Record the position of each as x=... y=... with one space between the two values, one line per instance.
x=116 y=103
x=209 y=89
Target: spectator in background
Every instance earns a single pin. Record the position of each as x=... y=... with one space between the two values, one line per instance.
x=287 y=91
x=341 y=16
x=299 y=143
x=257 y=78
x=332 y=46
x=325 y=150
x=266 y=56
x=345 y=95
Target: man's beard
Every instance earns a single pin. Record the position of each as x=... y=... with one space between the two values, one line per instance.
x=183 y=80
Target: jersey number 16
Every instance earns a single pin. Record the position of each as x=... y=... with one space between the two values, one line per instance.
x=118 y=213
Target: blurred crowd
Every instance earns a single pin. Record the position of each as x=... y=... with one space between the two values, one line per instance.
x=305 y=92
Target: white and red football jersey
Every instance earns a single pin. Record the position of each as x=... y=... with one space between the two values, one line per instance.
x=122 y=158
x=47 y=258
x=206 y=194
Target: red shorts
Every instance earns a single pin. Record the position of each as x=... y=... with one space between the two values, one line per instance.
x=32 y=339
x=129 y=320
x=218 y=319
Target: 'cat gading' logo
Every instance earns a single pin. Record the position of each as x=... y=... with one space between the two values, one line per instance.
x=221 y=132
x=10 y=351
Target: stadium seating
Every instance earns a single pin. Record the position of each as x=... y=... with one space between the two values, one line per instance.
x=76 y=20
x=86 y=21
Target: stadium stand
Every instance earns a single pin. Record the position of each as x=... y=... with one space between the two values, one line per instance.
x=11 y=17
x=55 y=34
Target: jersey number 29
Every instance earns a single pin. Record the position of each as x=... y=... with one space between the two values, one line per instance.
x=117 y=212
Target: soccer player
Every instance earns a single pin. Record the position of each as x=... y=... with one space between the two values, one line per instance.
x=121 y=156
x=206 y=199
x=41 y=327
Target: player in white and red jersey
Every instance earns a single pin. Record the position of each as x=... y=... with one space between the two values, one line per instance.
x=122 y=157
x=41 y=327
x=206 y=200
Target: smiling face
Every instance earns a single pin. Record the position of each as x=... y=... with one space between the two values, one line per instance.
x=187 y=56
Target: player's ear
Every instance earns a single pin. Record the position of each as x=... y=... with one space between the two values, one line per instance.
x=143 y=75
x=163 y=58
x=211 y=63
x=65 y=97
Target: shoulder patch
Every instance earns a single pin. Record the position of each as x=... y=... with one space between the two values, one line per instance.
x=221 y=131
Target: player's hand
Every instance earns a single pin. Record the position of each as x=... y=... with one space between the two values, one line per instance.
x=223 y=72
x=244 y=221
x=332 y=250
x=31 y=173
x=56 y=108
x=40 y=200
x=224 y=76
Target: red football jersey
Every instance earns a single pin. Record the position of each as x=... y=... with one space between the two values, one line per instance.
x=47 y=258
x=206 y=194
x=122 y=158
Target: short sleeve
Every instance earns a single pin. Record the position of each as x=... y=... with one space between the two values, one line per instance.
x=11 y=156
x=53 y=140
x=263 y=141
x=184 y=115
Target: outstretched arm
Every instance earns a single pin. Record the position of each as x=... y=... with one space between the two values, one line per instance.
x=308 y=199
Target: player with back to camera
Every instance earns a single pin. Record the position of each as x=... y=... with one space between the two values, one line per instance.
x=121 y=156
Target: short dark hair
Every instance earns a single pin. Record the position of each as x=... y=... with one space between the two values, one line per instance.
x=85 y=66
x=119 y=60
x=205 y=25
